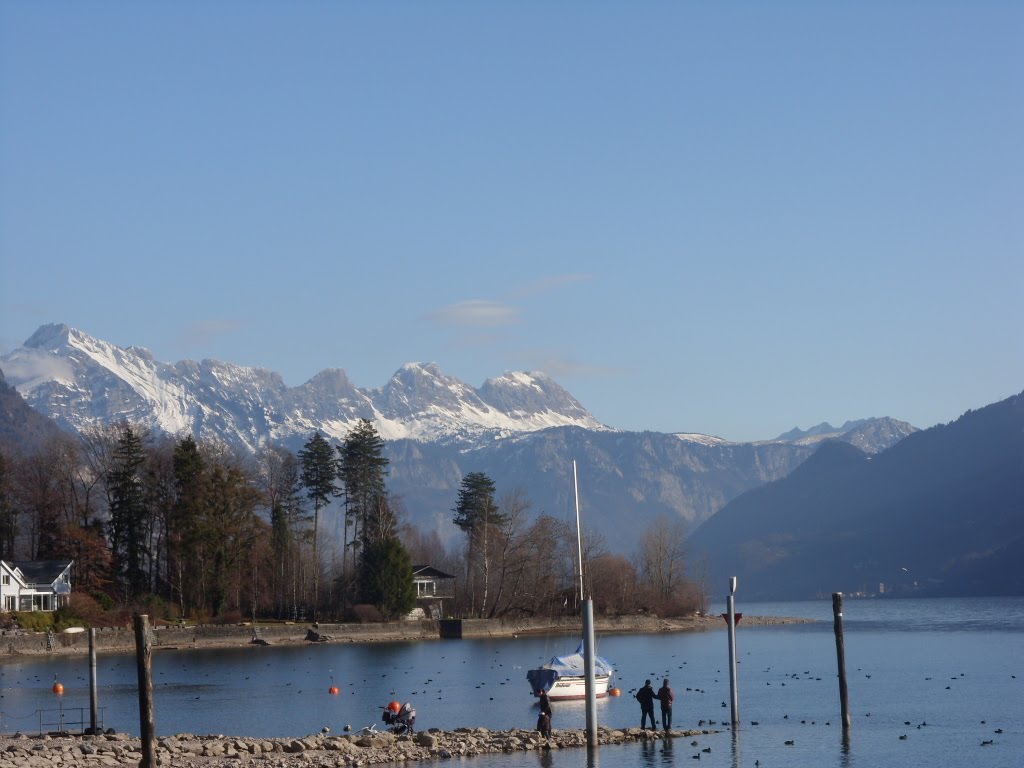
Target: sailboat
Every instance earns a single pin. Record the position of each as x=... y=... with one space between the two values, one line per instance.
x=565 y=677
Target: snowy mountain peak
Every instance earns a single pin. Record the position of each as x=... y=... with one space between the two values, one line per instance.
x=51 y=336
x=82 y=381
x=870 y=435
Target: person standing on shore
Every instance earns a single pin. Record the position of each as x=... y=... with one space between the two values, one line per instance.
x=544 y=720
x=545 y=704
x=646 y=698
x=666 y=697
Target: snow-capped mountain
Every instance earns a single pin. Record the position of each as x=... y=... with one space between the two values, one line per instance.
x=80 y=381
x=870 y=435
x=522 y=429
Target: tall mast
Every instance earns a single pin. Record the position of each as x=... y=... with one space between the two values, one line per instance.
x=579 y=534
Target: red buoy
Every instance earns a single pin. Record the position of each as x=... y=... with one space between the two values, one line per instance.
x=614 y=692
x=394 y=706
x=58 y=688
x=333 y=690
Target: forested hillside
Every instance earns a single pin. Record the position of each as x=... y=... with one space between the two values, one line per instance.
x=939 y=513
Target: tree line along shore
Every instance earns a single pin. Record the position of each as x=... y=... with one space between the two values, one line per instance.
x=180 y=528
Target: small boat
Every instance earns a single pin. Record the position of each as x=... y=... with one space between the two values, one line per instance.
x=563 y=677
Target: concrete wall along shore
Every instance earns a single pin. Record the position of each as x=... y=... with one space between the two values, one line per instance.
x=212 y=636
x=15 y=642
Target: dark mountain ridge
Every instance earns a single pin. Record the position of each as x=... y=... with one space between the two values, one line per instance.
x=941 y=512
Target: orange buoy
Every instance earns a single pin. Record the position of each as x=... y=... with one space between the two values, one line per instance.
x=58 y=688
x=394 y=706
x=614 y=692
x=333 y=690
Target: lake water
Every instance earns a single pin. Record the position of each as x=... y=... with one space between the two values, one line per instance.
x=952 y=669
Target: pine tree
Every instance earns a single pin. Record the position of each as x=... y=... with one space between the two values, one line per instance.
x=8 y=511
x=185 y=546
x=476 y=515
x=385 y=578
x=319 y=476
x=362 y=468
x=128 y=513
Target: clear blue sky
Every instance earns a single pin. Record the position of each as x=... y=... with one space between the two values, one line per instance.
x=731 y=218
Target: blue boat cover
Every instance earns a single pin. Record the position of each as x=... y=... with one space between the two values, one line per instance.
x=565 y=666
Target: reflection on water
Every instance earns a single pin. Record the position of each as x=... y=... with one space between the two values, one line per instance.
x=845 y=754
x=965 y=684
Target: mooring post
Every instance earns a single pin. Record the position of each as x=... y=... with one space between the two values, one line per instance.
x=93 y=695
x=837 y=617
x=589 y=651
x=143 y=659
x=731 y=620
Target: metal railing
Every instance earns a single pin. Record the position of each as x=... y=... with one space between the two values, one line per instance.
x=68 y=719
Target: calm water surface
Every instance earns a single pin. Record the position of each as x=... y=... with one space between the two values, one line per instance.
x=952 y=669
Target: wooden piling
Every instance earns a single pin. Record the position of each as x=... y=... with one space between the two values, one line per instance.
x=143 y=659
x=837 y=615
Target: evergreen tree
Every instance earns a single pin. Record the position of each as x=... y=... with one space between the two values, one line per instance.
x=362 y=468
x=184 y=543
x=319 y=476
x=477 y=515
x=128 y=514
x=385 y=578
x=8 y=511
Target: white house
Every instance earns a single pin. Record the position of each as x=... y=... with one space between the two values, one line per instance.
x=34 y=585
x=433 y=586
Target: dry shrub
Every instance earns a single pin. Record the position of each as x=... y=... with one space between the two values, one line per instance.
x=86 y=608
x=366 y=614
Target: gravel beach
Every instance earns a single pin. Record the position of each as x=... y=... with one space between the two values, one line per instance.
x=322 y=749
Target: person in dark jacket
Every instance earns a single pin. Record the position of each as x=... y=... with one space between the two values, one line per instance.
x=666 y=697
x=646 y=698
x=544 y=724
x=544 y=718
x=545 y=704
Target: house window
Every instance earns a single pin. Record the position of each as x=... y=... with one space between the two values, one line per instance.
x=8 y=602
x=7 y=580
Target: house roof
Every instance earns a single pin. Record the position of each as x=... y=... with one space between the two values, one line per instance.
x=429 y=571
x=41 y=571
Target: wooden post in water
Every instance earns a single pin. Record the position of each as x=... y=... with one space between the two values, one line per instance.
x=93 y=695
x=143 y=659
x=837 y=614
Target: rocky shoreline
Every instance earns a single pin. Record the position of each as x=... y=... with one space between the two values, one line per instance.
x=319 y=750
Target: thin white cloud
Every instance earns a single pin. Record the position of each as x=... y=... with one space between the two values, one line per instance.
x=547 y=284
x=564 y=367
x=558 y=364
x=476 y=313
x=203 y=331
x=29 y=367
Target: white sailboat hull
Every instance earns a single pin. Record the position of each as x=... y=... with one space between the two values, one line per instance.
x=576 y=688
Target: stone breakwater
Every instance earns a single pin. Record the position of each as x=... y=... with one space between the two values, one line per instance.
x=324 y=749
